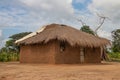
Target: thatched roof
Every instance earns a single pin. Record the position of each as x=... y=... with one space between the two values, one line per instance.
x=63 y=33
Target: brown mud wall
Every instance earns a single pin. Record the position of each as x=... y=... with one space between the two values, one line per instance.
x=38 y=53
x=50 y=53
x=93 y=55
x=71 y=55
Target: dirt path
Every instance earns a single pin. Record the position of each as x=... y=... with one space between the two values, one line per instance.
x=17 y=71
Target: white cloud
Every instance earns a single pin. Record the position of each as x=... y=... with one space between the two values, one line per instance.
x=29 y=15
x=0 y=33
x=34 y=13
x=1 y=38
x=104 y=34
x=109 y=8
x=57 y=9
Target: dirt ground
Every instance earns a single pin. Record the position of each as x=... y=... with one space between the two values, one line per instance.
x=18 y=71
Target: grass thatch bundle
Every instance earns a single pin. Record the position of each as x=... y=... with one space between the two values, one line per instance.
x=63 y=33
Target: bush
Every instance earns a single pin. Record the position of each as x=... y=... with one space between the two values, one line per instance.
x=114 y=56
x=4 y=57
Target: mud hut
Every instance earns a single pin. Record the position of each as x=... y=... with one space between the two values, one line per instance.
x=60 y=44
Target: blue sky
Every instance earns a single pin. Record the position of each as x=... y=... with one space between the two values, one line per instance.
x=81 y=5
x=29 y=15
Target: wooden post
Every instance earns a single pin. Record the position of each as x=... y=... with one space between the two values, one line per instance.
x=81 y=55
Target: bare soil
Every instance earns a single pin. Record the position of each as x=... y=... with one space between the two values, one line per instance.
x=18 y=71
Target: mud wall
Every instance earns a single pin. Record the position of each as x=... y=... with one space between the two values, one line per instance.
x=38 y=53
x=71 y=55
x=92 y=55
x=51 y=53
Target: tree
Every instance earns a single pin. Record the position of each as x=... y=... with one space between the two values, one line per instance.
x=87 y=29
x=19 y=35
x=10 y=44
x=3 y=49
x=101 y=22
x=116 y=40
x=90 y=31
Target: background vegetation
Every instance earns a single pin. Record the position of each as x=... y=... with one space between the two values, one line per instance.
x=11 y=51
x=114 y=52
x=114 y=56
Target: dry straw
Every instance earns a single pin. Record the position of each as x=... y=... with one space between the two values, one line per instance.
x=64 y=33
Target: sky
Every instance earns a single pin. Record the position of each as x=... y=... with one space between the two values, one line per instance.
x=29 y=15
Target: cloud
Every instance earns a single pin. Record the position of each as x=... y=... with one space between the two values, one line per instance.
x=104 y=34
x=107 y=8
x=1 y=38
x=0 y=33
x=56 y=9
x=34 y=13
x=29 y=15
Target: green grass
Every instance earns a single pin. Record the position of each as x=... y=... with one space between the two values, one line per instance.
x=5 y=57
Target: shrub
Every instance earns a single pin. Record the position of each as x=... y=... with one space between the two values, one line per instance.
x=114 y=56
x=4 y=57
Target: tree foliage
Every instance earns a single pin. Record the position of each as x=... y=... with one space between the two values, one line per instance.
x=19 y=35
x=87 y=29
x=10 y=45
x=116 y=40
